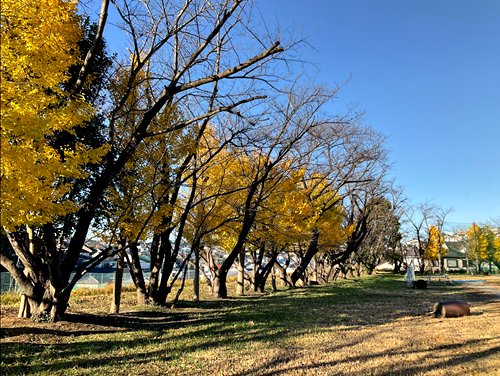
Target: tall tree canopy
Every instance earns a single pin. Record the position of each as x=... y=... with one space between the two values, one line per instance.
x=39 y=45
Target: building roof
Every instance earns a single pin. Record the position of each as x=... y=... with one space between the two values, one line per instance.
x=457 y=246
x=454 y=255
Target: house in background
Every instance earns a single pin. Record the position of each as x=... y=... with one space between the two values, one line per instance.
x=454 y=261
x=456 y=258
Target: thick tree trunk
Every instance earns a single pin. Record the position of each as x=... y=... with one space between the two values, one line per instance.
x=397 y=267
x=163 y=289
x=48 y=304
x=157 y=256
x=349 y=273
x=219 y=288
x=46 y=294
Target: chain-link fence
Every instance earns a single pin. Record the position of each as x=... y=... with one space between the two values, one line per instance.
x=89 y=280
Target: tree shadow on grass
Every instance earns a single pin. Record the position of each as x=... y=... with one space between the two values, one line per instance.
x=271 y=367
x=167 y=334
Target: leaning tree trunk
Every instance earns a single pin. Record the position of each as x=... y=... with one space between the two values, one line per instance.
x=179 y=292
x=140 y=284
x=299 y=272
x=262 y=277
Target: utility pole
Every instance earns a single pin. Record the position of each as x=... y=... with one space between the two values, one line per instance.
x=475 y=248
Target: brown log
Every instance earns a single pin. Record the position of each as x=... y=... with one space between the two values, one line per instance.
x=457 y=308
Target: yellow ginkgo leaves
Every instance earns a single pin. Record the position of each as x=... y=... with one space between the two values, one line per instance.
x=435 y=245
x=39 y=44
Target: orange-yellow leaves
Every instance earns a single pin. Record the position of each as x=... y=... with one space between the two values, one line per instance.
x=38 y=46
x=477 y=241
x=436 y=241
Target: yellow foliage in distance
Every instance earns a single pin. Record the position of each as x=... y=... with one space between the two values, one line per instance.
x=436 y=241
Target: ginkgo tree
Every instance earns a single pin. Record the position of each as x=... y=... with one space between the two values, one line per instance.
x=493 y=247
x=477 y=245
x=435 y=250
x=39 y=45
x=484 y=245
x=186 y=46
x=43 y=155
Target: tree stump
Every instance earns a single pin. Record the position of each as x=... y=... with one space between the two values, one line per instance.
x=457 y=308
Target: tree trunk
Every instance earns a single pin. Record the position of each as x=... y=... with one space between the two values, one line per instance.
x=157 y=256
x=24 y=307
x=266 y=270
x=397 y=267
x=179 y=292
x=306 y=259
x=48 y=304
x=219 y=288
x=117 y=288
x=273 y=280
x=240 y=288
x=196 y=281
x=163 y=289
x=140 y=284
x=282 y=272
x=422 y=268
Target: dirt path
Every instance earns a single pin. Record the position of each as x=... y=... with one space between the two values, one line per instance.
x=493 y=291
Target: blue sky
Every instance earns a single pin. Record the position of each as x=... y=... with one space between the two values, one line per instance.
x=427 y=73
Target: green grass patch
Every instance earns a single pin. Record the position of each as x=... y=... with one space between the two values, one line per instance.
x=362 y=325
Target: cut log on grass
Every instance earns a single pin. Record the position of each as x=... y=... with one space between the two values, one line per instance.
x=457 y=308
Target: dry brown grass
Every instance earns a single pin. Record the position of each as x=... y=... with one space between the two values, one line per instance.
x=367 y=326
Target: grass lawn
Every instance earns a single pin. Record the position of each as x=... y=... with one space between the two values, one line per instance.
x=362 y=326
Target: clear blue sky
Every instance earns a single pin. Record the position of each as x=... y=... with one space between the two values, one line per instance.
x=427 y=73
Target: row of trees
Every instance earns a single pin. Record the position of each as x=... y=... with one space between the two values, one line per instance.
x=192 y=135
x=201 y=133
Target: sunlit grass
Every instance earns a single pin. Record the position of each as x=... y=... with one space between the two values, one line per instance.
x=370 y=325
